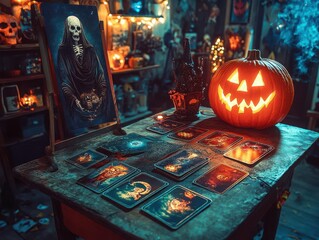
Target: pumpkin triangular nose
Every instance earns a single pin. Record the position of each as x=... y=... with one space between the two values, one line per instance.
x=242 y=86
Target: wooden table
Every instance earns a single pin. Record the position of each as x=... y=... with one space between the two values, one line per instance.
x=232 y=215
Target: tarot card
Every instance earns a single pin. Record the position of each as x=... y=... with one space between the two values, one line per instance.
x=181 y=162
x=220 y=141
x=176 y=206
x=136 y=190
x=187 y=134
x=127 y=145
x=183 y=177
x=249 y=152
x=86 y=159
x=164 y=126
x=106 y=176
x=220 y=178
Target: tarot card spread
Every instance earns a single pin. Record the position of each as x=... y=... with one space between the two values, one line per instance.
x=130 y=144
x=136 y=190
x=176 y=206
x=164 y=126
x=104 y=177
x=220 y=141
x=86 y=159
x=188 y=133
x=220 y=178
x=249 y=152
x=181 y=163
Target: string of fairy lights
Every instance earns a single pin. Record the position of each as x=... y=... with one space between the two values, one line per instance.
x=217 y=54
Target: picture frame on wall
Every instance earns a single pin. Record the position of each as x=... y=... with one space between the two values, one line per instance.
x=82 y=76
x=240 y=11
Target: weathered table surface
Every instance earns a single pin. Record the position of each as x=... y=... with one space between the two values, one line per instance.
x=230 y=214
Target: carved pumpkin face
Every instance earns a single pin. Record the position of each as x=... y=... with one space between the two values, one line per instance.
x=251 y=92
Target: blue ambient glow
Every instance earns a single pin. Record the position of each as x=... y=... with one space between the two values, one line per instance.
x=301 y=29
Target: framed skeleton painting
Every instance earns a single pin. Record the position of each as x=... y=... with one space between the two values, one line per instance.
x=83 y=83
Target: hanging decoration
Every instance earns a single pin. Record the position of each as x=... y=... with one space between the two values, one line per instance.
x=251 y=92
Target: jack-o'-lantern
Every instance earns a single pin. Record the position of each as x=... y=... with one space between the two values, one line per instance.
x=116 y=59
x=251 y=92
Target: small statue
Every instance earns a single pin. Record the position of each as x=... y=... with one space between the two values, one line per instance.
x=188 y=91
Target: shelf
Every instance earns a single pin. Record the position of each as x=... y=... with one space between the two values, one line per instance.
x=19 y=47
x=22 y=113
x=128 y=120
x=134 y=16
x=21 y=78
x=128 y=70
x=22 y=140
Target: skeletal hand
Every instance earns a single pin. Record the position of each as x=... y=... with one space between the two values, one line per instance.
x=78 y=104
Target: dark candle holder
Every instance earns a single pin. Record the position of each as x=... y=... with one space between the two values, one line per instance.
x=187 y=94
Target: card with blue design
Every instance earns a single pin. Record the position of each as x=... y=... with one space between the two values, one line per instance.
x=176 y=206
x=87 y=158
x=129 y=144
x=132 y=192
x=182 y=163
x=106 y=176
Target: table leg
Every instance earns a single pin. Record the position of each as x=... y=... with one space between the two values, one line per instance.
x=271 y=221
x=62 y=232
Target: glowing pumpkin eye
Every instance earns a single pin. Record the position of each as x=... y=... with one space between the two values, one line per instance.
x=258 y=81
x=243 y=86
x=234 y=77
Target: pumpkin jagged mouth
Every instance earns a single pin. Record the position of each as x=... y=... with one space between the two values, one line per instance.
x=242 y=105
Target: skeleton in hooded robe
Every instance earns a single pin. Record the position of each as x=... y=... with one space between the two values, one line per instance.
x=82 y=78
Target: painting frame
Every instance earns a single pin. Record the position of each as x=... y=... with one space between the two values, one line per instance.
x=82 y=78
x=240 y=14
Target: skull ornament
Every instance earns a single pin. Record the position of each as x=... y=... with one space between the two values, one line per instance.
x=9 y=30
x=75 y=28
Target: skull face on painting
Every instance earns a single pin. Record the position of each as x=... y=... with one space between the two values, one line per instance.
x=240 y=7
x=9 y=30
x=75 y=28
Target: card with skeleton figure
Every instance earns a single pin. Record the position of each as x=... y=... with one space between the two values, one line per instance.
x=86 y=159
x=104 y=177
x=249 y=152
x=181 y=162
x=176 y=206
x=220 y=141
x=136 y=190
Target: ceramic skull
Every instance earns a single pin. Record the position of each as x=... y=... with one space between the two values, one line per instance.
x=9 y=30
x=75 y=28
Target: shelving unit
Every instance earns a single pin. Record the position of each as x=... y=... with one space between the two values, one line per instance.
x=22 y=113
x=23 y=132
x=118 y=75
x=21 y=78
x=130 y=70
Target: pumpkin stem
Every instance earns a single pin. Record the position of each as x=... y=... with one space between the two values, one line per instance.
x=253 y=54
